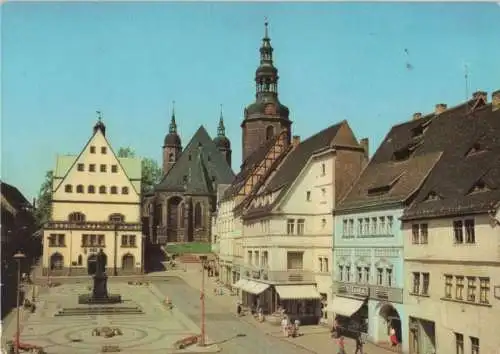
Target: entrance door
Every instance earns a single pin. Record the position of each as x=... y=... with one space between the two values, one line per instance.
x=128 y=262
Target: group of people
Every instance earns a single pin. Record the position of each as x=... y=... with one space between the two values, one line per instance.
x=290 y=328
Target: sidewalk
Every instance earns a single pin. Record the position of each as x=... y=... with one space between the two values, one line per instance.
x=315 y=339
x=9 y=323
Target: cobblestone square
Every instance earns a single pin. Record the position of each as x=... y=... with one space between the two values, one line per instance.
x=153 y=331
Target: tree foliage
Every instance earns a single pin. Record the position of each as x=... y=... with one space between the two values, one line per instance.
x=43 y=209
x=151 y=171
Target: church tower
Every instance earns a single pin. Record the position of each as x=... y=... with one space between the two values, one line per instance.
x=265 y=117
x=221 y=141
x=172 y=146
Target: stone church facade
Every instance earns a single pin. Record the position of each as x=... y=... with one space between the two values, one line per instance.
x=180 y=208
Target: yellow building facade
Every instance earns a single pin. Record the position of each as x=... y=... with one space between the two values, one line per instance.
x=95 y=206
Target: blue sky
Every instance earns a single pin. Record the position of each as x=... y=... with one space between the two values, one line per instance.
x=63 y=61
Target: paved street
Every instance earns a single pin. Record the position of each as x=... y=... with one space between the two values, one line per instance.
x=262 y=336
x=223 y=327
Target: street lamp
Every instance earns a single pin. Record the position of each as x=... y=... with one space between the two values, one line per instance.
x=202 y=298
x=18 y=257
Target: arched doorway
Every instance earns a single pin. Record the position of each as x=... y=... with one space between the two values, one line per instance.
x=92 y=263
x=56 y=261
x=388 y=317
x=173 y=218
x=128 y=262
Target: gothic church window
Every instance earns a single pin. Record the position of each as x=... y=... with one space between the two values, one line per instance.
x=197 y=216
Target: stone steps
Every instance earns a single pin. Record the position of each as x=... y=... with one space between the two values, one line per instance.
x=104 y=310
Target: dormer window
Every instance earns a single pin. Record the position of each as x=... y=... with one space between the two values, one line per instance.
x=475 y=149
x=379 y=190
x=479 y=187
x=432 y=196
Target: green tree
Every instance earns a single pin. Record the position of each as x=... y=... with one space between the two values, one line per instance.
x=151 y=171
x=43 y=209
x=125 y=152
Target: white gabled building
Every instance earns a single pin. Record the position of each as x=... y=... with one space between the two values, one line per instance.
x=95 y=206
x=288 y=227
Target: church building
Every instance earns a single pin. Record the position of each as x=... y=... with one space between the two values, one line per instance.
x=180 y=208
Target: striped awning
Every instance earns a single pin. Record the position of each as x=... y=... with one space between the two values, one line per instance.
x=240 y=284
x=297 y=292
x=254 y=287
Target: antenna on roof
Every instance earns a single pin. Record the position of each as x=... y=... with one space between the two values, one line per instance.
x=466 y=76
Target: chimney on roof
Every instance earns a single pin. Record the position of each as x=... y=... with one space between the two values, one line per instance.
x=480 y=94
x=440 y=108
x=417 y=115
x=365 y=144
x=295 y=140
x=495 y=100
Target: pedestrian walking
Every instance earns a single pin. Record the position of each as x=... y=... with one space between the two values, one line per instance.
x=393 y=338
x=284 y=326
x=238 y=309
x=359 y=344
x=341 y=345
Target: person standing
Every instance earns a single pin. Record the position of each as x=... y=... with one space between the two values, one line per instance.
x=393 y=338
x=341 y=345
x=284 y=326
x=359 y=344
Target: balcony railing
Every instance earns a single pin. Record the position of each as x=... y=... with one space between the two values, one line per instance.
x=98 y=226
x=278 y=276
x=376 y=292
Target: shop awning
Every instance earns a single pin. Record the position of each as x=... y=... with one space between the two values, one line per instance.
x=240 y=284
x=345 y=306
x=254 y=287
x=297 y=292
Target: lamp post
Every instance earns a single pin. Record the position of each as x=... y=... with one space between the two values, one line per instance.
x=18 y=257
x=143 y=254
x=115 y=251
x=202 y=298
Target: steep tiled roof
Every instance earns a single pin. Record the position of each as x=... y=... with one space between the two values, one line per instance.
x=13 y=196
x=200 y=165
x=429 y=155
x=247 y=167
x=466 y=180
x=293 y=164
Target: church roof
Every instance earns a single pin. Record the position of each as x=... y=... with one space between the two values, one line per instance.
x=200 y=166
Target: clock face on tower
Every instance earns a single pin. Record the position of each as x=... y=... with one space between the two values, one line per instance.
x=270 y=109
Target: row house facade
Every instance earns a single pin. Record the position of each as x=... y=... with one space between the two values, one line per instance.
x=368 y=246
x=287 y=225
x=452 y=237
x=95 y=207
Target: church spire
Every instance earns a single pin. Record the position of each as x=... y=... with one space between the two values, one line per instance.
x=221 y=130
x=173 y=126
x=266 y=76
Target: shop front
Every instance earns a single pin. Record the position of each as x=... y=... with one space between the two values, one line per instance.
x=301 y=302
x=351 y=315
x=254 y=295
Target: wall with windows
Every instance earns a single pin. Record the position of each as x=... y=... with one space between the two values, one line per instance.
x=369 y=247
x=68 y=251
x=453 y=280
x=458 y=239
